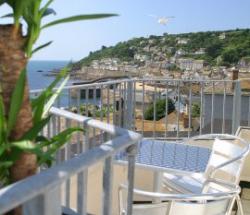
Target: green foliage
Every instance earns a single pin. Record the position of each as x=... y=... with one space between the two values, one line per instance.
x=230 y=56
x=41 y=47
x=123 y=51
x=160 y=109
x=32 y=12
x=31 y=142
x=173 y=67
x=78 y=18
x=16 y=101
x=196 y=109
x=94 y=110
x=231 y=49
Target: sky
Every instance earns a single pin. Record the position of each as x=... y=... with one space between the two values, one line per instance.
x=75 y=40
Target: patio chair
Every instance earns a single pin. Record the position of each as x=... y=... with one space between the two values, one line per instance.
x=185 y=204
x=244 y=133
x=225 y=163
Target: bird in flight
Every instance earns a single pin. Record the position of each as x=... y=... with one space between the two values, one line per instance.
x=163 y=20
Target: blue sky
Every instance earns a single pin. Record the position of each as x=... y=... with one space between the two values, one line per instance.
x=74 y=41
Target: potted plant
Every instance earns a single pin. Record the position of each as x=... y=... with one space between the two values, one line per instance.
x=21 y=119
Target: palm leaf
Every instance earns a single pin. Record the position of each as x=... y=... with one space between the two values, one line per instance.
x=78 y=18
x=38 y=106
x=34 y=131
x=38 y=103
x=41 y=47
x=2 y=122
x=3 y=149
x=2 y=2
x=48 y=12
x=56 y=143
x=18 y=7
x=16 y=101
x=46 y=6
x=24 y=145
x=55 y=95
x=6 y=164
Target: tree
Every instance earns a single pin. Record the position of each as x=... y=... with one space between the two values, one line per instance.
x=213 y=49
x=230 y=56
x=160 y=110
x=17 y=116
x=104 y=47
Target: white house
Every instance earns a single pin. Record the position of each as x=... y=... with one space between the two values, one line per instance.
x=222 y=36
x=190 y=64
x=201 y=51
x=182 y=41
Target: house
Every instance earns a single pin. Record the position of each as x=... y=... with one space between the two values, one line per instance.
x=201 y=51
x=185 y=63
x=222 y=36
x=95 y=64
x=198 y=65
x=146 y=48
x=244 y=63
x=190 y=64
x=141 y=57
x=180 y=52
x=182 y=41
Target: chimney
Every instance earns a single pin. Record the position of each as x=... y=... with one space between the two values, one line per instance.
x=235 y=76
x=185 y=121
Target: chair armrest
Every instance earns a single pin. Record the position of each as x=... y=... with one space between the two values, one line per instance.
x=186 y=197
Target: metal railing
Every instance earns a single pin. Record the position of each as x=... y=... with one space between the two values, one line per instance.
x=222 y=105
x=42 y=194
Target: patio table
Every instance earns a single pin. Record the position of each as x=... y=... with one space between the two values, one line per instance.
x=170 y=156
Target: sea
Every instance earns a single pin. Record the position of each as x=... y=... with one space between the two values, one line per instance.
x=39 y=77
x=39 y=71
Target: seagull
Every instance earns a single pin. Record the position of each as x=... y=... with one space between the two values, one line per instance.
x=162 y=20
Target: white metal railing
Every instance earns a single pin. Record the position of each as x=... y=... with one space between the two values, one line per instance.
x=41 y=194
x=223 y=105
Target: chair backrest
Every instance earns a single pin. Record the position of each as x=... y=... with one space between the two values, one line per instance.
x=227 y=158
x=150 y=209
x=224 y=151
x=183 y=208
x=244 y=133
x=196 y=208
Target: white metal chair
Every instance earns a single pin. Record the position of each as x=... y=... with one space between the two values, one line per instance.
x=244 y=133
x=185 y=204
x=226 y=162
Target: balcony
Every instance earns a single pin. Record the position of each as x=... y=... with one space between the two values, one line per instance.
x=85 y=176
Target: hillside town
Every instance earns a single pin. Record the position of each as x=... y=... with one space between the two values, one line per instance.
x=152 y=58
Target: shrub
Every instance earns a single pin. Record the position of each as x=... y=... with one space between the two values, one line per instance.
x=160 y=109
x=196 y=110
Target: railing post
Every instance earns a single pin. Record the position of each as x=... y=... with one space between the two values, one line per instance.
x=107 y=186
x=236 y=116
x=130 y=103
x=82 y=178
x=48 y=203
x=131 y=151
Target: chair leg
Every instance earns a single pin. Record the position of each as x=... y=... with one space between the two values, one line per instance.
x=239 y=204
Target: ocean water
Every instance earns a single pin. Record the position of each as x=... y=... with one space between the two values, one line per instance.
x=39 y=80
